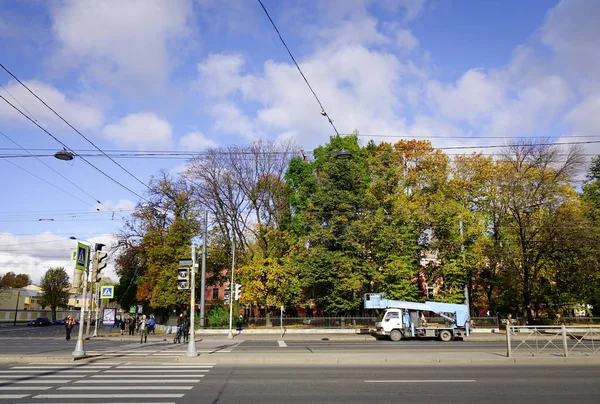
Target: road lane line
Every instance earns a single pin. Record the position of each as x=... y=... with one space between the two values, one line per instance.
x=178 y=372
x=128 y=388
x=34 y=381
x=26 y=388
x=142 y=376
x=108 y=395
x=422 y=381
x=59 y=367
x=282 y=344
x=13 y=396
x=157 y=367
x=12 y=376
x=140 y=381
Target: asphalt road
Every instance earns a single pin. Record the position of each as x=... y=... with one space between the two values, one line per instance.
x=393 y=384
x=157 y=382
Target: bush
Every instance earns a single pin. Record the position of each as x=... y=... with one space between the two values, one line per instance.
x=217 y=317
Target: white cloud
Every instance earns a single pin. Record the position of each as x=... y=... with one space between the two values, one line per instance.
x=81 y=115
x=196 y=141
x=230 y=119
x=405 y=39
x=121 y=42
x=585 y=117
x=220 y=75
x=143 y=130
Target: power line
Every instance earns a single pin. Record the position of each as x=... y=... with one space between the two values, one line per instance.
x=299 y=70
x=72 y=127
x=71 y=182
x=71 y=150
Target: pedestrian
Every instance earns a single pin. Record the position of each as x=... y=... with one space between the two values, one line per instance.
x=131 y=326
x=69 y=322
x=143 y=329
x=122 y=325
x=151 y=323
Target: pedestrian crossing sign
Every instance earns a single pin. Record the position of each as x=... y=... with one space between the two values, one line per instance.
x=83 y=254
x=107 y=292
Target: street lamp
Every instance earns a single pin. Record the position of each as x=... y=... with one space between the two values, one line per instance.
x=231 y=286
x=64 y=155
x=343 y=154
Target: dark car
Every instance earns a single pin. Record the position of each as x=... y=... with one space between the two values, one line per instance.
x=40 y=321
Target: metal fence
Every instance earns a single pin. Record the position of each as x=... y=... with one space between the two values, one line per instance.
x=313 y=322
x=561 y=340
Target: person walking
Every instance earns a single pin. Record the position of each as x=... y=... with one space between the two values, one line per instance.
x=143 y=330
x=151 y=324
x=131 y=326
x=122 y=325
x=69 y=323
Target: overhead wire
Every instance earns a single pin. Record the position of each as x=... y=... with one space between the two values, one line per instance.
x=71 y=150
x=72 y=127
x=62 y=176
x=299 y=69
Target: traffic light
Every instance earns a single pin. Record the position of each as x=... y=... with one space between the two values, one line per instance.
x=98 y=264
x=101 y=259
x=238 y=291
x=183 y=278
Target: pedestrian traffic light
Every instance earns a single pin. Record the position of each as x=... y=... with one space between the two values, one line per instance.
x=183 y=278
x=238 y=291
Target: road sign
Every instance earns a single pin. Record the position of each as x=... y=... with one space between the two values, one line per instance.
x=83 y=254
x=107 y=292
x=73 y=255
x=185 y=262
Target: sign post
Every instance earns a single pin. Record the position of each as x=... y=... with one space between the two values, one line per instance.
x=82 y=263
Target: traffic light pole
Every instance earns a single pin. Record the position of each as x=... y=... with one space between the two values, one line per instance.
x=79 y=351
x=191 y=349
x=203 y=273
x=231 y=286
x=98 y=301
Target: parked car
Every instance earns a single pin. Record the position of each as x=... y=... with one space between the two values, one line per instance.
x=40 y=321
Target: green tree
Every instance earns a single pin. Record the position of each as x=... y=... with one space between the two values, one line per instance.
x=55 y=289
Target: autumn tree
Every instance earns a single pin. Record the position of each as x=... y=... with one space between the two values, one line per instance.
x=55 y=289
x=12 y=280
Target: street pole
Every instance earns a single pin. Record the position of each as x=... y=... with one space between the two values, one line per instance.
x=17 y=307
x=462 y=251
x=231 y=286
x=98 y=301
x=79 y=351
x=88 y=326
x=191 y=349
x=203 y=274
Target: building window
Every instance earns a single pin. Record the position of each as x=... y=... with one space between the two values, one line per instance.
x=215 y=293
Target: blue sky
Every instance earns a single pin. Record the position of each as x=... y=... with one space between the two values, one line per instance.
x=192 y=74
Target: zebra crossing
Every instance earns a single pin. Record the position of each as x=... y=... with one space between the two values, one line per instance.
x=97 y=384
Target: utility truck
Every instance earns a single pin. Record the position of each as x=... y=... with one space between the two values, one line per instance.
x=403 y=319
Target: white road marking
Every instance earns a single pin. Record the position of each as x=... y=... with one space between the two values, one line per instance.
x=128 y=388
x=14 y=396
x=60 y=367
x=121 y=381
x=26 y=388
x=422 y=381
x=141 y=376
x=107 y=395
x=40 y=376
x=39 y=371
x=34 y=381
x=179 y=372
x=161 y=367
x=282 y=344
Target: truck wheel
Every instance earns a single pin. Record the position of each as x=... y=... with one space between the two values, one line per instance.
x=445 y=335
x=395 y=335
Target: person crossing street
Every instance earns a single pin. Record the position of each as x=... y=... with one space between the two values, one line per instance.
x=143 y=330
x=69 y=323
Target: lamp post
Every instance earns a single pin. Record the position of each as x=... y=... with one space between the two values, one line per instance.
x=231 y=286
x=79 y=351
x=191 y=349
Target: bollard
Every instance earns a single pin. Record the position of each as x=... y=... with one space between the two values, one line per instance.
x=508 y=347
x=564 y=337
